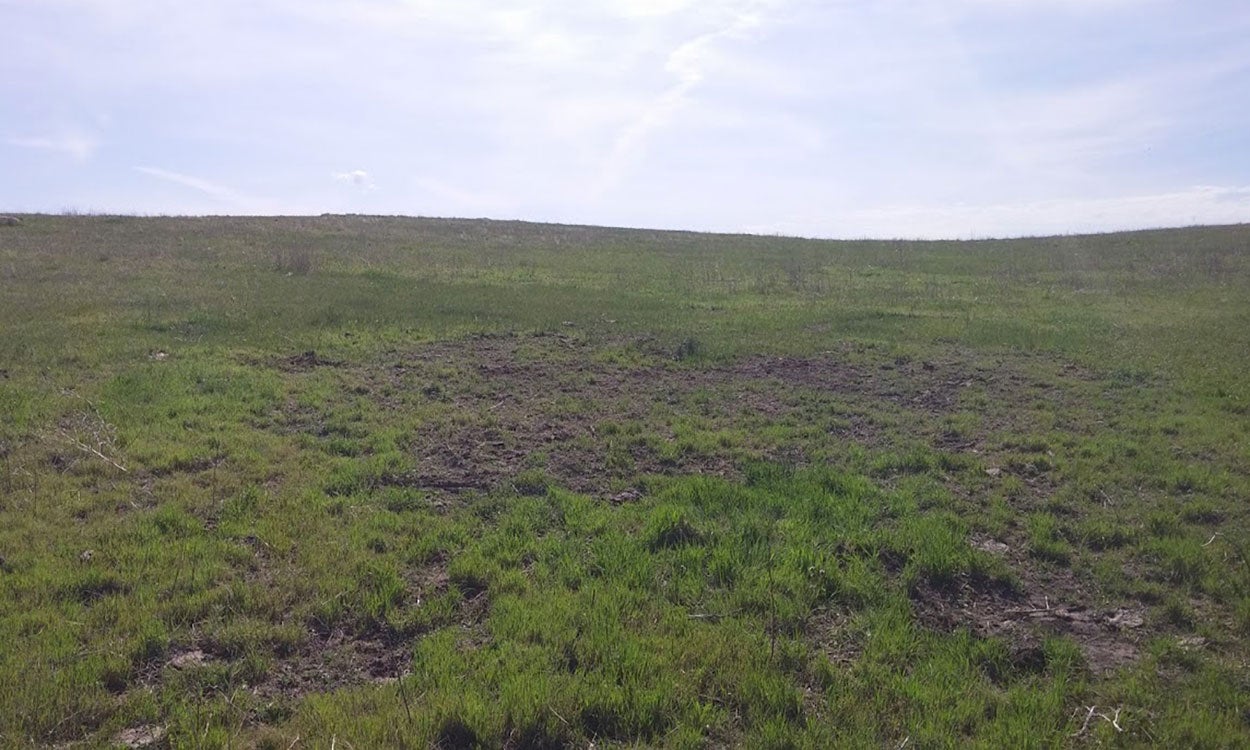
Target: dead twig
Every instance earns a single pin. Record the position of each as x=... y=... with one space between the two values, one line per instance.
x=1092 y=712
x=88 y=449
x=772 y=606
x=558 y=716
x=404 y=695
x=1032 y=611
x=1085 y=724
x=89 y=432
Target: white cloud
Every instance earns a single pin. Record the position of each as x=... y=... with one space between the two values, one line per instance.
x=936 y=117
x=358 y=177
x=75 y=145
x=647 y=8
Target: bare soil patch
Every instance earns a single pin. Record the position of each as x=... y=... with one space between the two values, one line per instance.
x=338 y=659
x=305 y=361
x=344 y=654
x=341 y=656
x=1108 y=638
x=504 y=404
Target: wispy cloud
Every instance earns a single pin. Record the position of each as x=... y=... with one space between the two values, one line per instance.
x=79 y=146
x=357 y=177
x=211 y=189
x=648 y=8
x=690 y=63
x=850 y=117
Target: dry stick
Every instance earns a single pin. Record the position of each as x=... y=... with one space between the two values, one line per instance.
x=1115 y=722
x=62 y=721
x=404 y=695
x=558 y=716
x=1093 y=711
x=87 y=448
x=1033 y=611
x=81 y=445
x=1085 y=725
x=772 y=605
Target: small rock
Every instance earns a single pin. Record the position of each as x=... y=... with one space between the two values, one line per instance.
x=86 y=555
x=1191 y=642
x=627 y=496
x=1127 y=618
x=992 y=546
x=144 y=736
x=187 y=659
x=993 y=471
x=159 y=355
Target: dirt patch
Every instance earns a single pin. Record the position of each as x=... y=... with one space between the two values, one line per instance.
x=305 y=361
x=584 y=417
x=500 y=405
x=828 y=630
x=1108 y=638
x=340 y=658
x=345 y=654
x=590 y=427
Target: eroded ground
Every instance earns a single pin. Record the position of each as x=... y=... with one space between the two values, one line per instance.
x=520 y=413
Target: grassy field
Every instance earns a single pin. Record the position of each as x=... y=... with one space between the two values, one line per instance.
x=353 y=482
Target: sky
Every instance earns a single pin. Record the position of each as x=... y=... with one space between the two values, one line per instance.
x=832 y=118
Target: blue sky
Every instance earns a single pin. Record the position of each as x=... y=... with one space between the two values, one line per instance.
x=842 y=118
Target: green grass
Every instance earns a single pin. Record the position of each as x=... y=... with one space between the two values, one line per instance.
x=374 y=482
